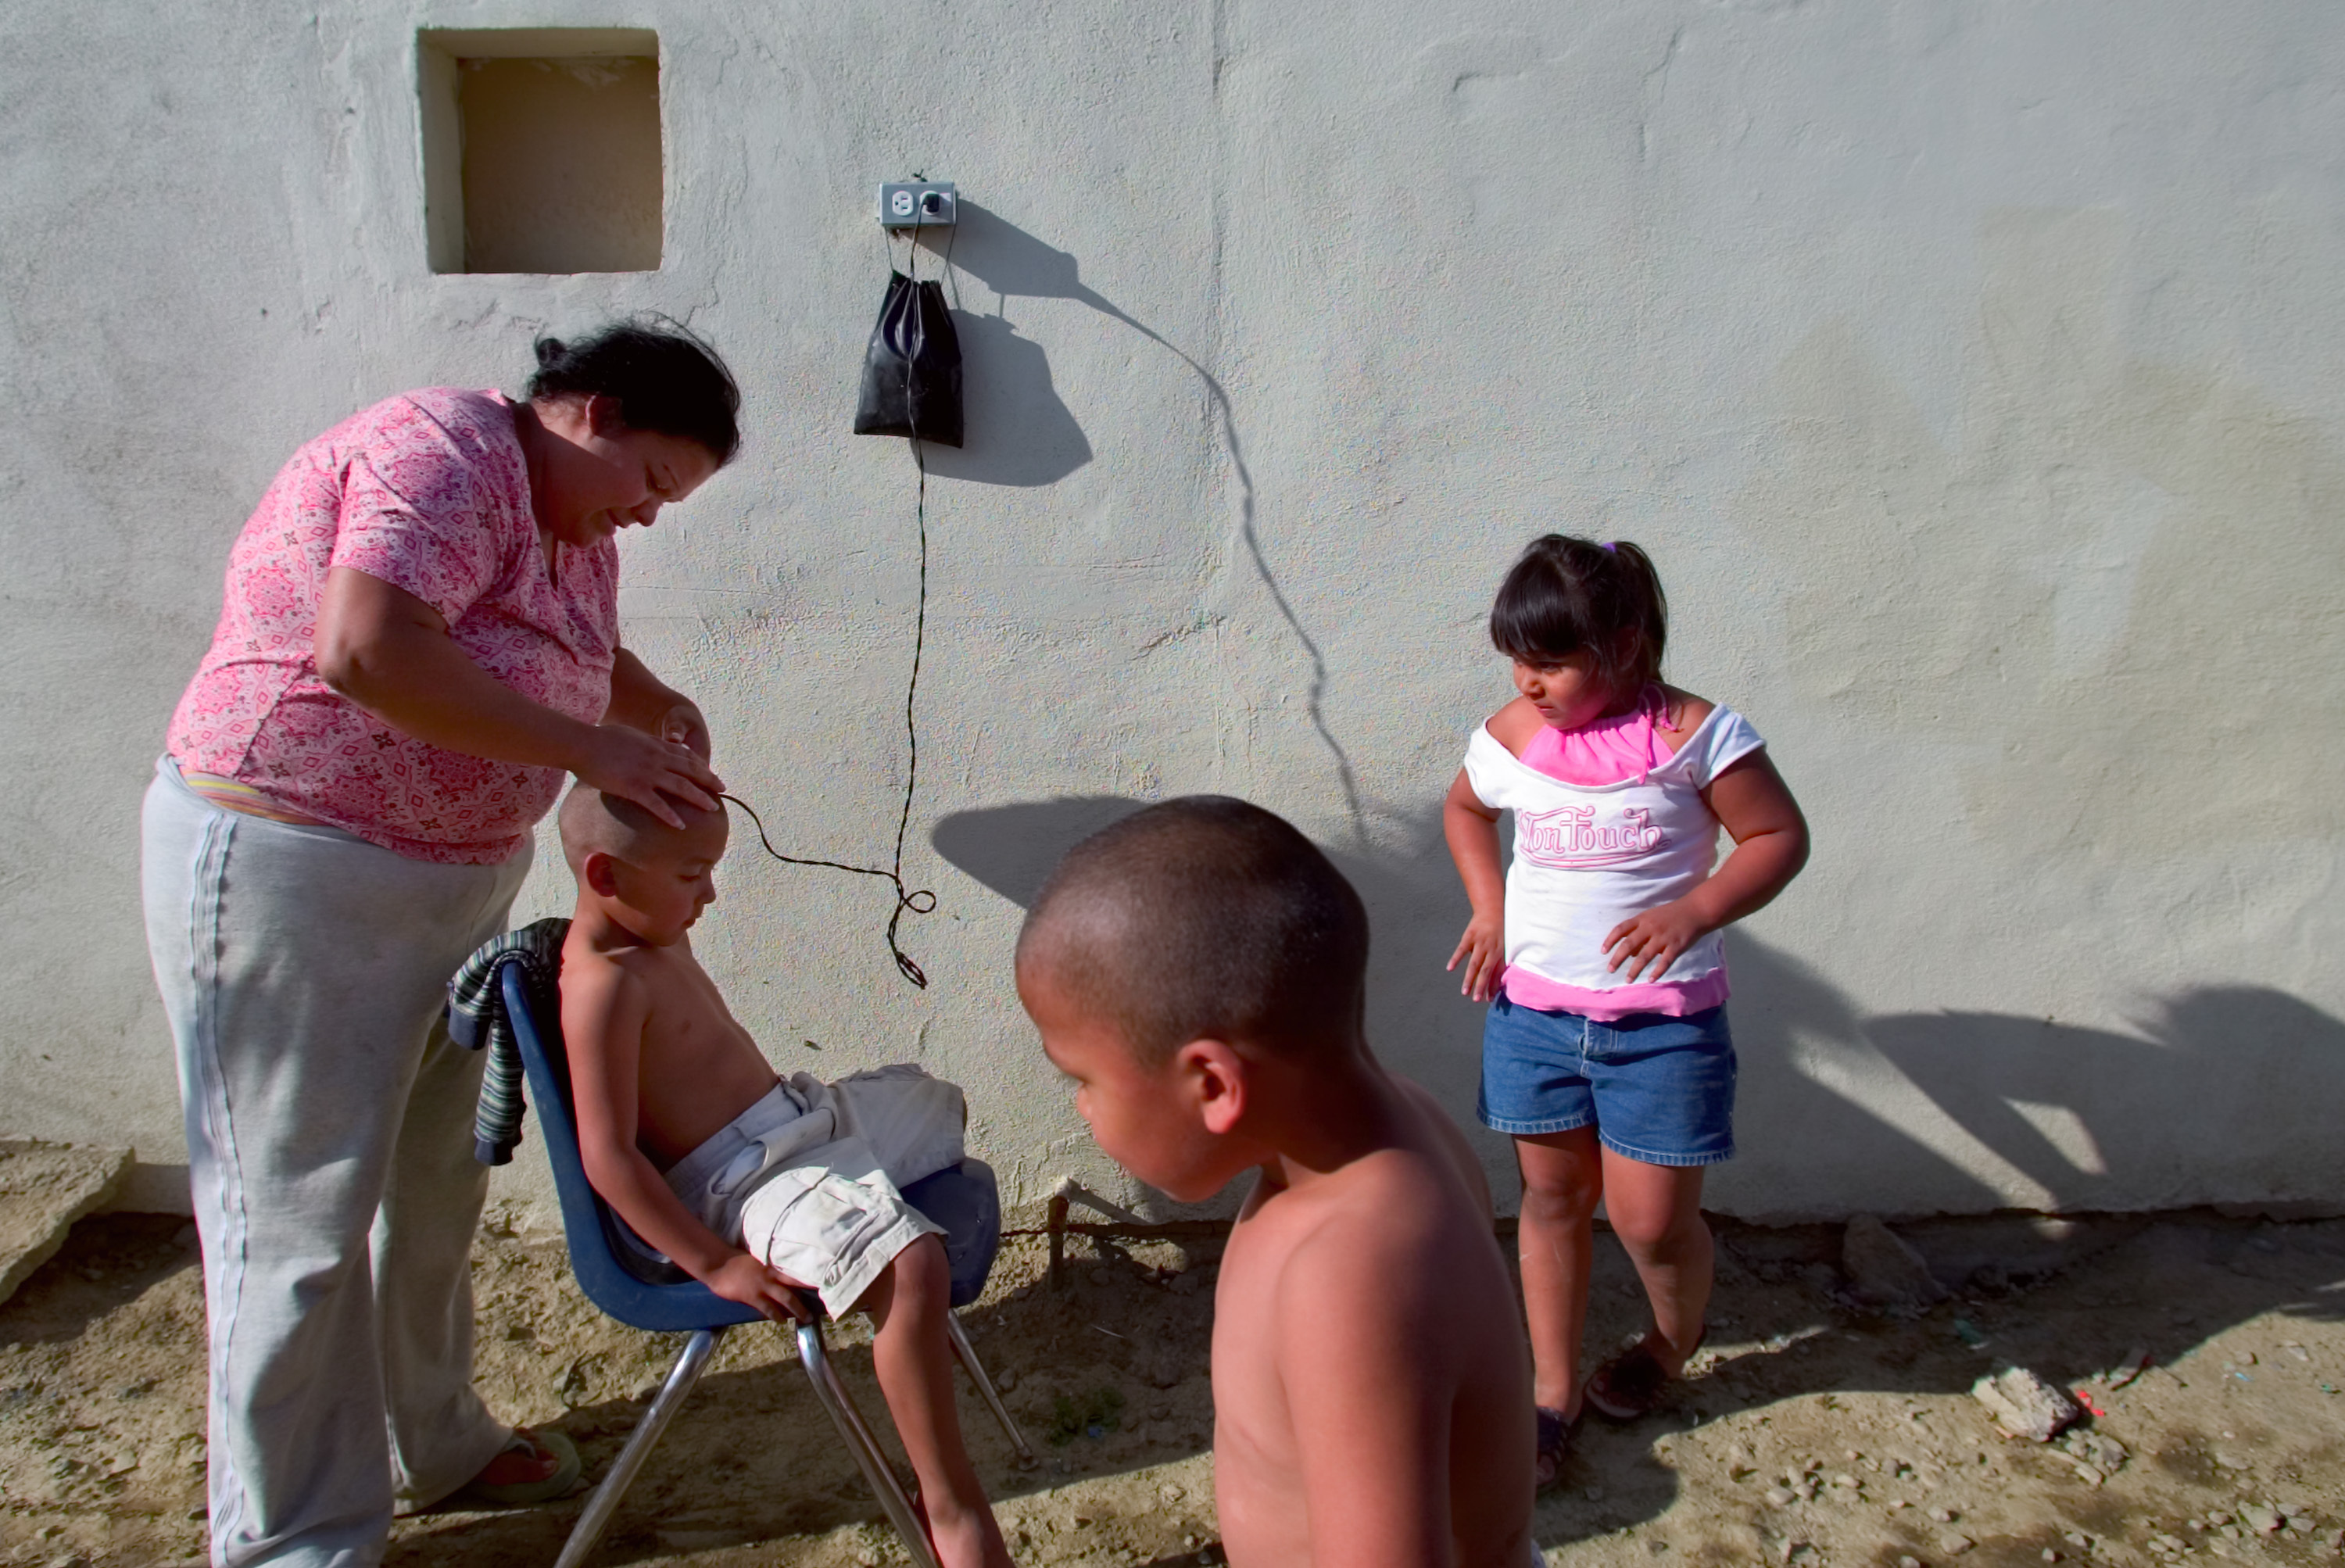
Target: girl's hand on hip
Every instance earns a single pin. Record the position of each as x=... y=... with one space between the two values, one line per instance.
x=644 y=769
x=1484 y=949
x=1649 y=943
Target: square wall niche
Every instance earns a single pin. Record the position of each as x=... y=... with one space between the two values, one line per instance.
x=541 y=149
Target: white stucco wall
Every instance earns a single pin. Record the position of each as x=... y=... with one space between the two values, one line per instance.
x=1970 y=372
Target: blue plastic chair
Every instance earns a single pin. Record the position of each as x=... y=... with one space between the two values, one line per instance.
x=616 y=1277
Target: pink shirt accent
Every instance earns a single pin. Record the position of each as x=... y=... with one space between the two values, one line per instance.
x=1624 y=745
x=428 y=492
x=1670 y=998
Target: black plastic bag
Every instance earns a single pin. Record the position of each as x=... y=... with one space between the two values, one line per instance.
x=912 y=371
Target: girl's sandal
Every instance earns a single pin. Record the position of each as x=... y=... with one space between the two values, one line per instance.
x=1555 y=1435
x=1630 y=1384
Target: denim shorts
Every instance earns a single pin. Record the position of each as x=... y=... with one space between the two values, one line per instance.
x=1658 y=1089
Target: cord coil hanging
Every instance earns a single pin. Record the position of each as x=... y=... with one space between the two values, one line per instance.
x=919 y=901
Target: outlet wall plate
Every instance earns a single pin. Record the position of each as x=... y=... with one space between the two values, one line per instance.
x=905 y=204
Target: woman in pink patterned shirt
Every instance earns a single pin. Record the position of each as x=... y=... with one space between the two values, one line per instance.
x=419 y=639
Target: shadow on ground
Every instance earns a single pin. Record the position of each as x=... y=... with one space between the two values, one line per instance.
x=103 y=1388
x=1105 y=1373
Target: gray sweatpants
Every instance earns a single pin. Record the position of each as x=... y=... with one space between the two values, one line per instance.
x=331 y=1151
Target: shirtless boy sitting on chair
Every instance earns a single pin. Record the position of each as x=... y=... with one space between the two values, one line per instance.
x=1199 y=971
x=757 y=1186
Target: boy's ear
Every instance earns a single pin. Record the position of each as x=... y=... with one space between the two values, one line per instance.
x=598 y=875
x=1214 y=1076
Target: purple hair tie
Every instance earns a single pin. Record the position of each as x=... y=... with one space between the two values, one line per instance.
x=1611 y=544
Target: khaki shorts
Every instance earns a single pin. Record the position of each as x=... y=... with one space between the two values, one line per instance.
x=810 y=1178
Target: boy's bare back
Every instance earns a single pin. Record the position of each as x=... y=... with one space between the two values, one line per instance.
x=1371 y=1397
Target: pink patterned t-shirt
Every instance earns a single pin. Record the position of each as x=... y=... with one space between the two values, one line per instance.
x=428 y=492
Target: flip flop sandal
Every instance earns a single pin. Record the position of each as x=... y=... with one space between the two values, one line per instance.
x=1631 y=1384
x=1555 y=1435
x=524 y=1493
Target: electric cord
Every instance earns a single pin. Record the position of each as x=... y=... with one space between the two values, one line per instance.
x=919 y=901
x=916 y=901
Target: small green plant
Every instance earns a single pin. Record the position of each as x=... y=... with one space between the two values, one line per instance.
x=1100 y=1412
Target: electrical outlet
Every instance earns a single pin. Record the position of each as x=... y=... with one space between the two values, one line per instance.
x=907 y=205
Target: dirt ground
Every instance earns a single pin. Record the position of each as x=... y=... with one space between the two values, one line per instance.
x=1814 y=1432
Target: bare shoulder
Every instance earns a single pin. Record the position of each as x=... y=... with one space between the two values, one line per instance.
x=1380 y=1239
x=1514 y=725
x=1681 y=714
x=1452 y=1142
x=1364 y=1269
x=599 y=990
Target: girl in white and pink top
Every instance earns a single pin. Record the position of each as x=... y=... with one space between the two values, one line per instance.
x=1606 y=1052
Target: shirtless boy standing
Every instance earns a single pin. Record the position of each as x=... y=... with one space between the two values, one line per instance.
x=686 y=1131
x=1199 y=971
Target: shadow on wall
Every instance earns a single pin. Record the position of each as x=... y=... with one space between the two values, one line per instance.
x=1839 y=1112
x=1031 y=438
x=2210 y=1083
x=1015 y=430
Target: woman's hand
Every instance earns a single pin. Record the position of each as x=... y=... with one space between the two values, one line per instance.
x=641 y=700
x=1484 y=949
x=1649 y=943
x=743 y=1278
x=685 y=725
x=625 y=761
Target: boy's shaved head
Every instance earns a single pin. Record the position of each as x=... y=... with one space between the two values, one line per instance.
x=592 y=821
x=1203 y=918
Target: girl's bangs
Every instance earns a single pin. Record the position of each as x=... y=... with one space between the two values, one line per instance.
x=1536 y=622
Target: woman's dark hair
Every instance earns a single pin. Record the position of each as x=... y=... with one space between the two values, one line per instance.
x=1565 y=595
x=663 y=379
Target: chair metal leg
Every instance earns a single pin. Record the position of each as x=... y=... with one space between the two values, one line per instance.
x=605 y=1500
x=813 y=1354
x=977 y=1374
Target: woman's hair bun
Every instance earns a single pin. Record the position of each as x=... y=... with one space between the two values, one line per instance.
x=662 y=376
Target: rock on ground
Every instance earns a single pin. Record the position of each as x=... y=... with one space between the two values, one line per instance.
x=1883 y=1270
x=2024 y=1406
x=44 y=1188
